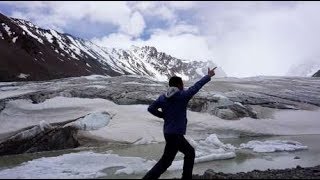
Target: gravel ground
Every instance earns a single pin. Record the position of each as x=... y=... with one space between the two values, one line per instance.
x=293 y=173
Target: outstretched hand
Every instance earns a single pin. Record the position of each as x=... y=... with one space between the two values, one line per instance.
x=211 y=72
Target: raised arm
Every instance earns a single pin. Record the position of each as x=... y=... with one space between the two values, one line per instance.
x=154 y=108
x=191 y=91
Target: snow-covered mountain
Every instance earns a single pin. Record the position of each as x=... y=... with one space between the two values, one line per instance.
x=305 y=69
x=32 y=53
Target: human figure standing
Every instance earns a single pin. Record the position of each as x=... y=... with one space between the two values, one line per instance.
x=173 y=105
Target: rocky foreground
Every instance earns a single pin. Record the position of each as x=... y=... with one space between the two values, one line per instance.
x=293 y=173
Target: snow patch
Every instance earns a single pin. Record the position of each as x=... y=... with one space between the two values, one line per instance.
x=88 y=65
x=97 y=86
x=200 y=71
x=55 y=34
x=273 y=146
x=219 y=96
x=7 y=28
x=95 y=77
x=142 y=84
x=79 y=46
x=23 y=76
x=183 y=76
x=48 y=37
x=31 y=34
x=73 y=56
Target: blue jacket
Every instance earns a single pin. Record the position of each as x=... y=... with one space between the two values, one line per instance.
x=174 y=107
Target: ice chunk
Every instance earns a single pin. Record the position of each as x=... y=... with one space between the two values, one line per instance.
x=212 y=149
x=77 y=165
x=273 y=146
x=92 y=121
x=207 y=150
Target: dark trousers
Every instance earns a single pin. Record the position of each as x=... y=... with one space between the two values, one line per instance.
x=174 y=143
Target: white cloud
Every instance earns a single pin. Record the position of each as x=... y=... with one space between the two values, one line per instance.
x=182 y=4
x=244 y=38
x=60 y=14
x=262 y=40
x=114 y=40
x=164 y=10
x=180 y=41
x=135 y=26
x=185 y=46
x=25 y=4
x=155 y=9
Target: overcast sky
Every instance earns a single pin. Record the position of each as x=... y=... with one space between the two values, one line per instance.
x=243 y=38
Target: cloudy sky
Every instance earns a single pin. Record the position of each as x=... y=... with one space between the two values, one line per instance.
x=243 y=38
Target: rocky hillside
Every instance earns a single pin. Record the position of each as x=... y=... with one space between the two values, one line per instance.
x=29 y=52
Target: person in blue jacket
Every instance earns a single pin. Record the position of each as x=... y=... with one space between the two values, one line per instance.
x=173 y=105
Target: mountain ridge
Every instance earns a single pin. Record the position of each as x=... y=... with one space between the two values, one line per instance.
x=32 y=53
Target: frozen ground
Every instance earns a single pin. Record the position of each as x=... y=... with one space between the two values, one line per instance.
x=284 y=106
x=133 y=124
x=92 y=164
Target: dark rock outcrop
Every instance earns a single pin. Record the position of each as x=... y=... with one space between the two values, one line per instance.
x=40 y=138
x=317 y=74
x=54 y=136
x=2 y=105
